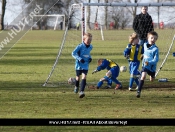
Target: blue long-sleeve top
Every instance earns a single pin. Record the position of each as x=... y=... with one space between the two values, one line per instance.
x=106 y=64
x=151 y=55
x=82 y=51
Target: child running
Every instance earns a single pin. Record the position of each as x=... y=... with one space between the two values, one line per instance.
x=133 y=52
x=150 y=59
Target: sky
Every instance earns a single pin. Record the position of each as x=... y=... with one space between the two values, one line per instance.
x=12 y=13
x=13 y=8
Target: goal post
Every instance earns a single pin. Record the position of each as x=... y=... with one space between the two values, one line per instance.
x=52 y=22
x=55 y=83
x=168 y=52
x=111 y=47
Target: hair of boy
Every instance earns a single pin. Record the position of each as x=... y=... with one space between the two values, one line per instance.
x=152 y=33
x=87 y=35
x=99 y=61
x=132 y=37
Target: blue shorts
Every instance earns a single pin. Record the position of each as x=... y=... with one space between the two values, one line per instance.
x=133 y=67
x=115 y=71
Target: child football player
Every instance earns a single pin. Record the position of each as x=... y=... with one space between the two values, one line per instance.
x=112 y=73
x=150 y=59
x=133 y=52
x=82 y=59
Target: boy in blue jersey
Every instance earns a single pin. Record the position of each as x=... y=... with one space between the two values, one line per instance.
x=82 y=59
x=133 y=52
x=112 y=73
x=150 y=59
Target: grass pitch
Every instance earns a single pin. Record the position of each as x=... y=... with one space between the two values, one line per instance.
x=24 y=69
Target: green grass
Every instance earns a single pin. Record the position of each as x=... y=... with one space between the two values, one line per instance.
x=26 y=66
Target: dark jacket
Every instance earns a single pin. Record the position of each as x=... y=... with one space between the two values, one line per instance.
x=142 y=25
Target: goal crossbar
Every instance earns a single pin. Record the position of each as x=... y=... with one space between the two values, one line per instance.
x=56 y=15
x=129 y=4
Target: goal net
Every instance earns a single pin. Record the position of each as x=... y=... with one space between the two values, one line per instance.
x=48 y=22
x=109 y=40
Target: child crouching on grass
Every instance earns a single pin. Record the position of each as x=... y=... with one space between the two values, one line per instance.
x=112 y=73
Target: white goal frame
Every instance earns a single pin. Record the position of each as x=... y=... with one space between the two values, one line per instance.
x=83 y=10
x=56 y=22
x=83 y=19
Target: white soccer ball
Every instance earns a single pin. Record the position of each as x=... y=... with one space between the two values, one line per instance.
x=123 y=69
x=71 y=81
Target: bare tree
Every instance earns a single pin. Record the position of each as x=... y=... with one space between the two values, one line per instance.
x=96 y=14
x=4 y=2
x=88 y=16
x=106 y=14
x=109 y=14
x=132 y=10
x=163 y=13
x=159 y=10
x=62 y=7
x=116 y=18
x=120 y=17
x=158 y=14
x=124 y=18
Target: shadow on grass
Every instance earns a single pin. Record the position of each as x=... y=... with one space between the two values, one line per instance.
x=23 y=84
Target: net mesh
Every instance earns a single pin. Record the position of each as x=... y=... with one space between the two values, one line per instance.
x=112 y=47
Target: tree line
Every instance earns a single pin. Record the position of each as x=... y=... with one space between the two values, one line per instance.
x=121 y=16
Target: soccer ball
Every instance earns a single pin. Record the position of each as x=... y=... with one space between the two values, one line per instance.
x=71 y=81
x=123 y=69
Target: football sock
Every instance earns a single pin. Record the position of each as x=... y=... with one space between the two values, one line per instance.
x=131 y=82
x=116 y=81
x=109 y=82
x=137 y=81
x=83 y=84
x=99 y=84
x=77 y=83
x=140 y=85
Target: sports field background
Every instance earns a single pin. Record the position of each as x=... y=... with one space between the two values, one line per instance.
x=26 y=66
x=112 y=47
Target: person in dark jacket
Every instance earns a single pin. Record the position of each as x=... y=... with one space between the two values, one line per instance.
x=143 y=24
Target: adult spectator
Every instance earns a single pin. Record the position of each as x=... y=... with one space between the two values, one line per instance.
x=78 y=26
x=61 y=25
x=111 y=25
x=161 y=25
x=143 y=24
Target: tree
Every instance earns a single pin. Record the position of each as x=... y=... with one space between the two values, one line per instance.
x=55 y=7
x=106 y=14
x=88 y=16
x=132 y=10
x=96 y=14
x=3 y=13
x=120 y=17
x=163 y=13
x=124 y=18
